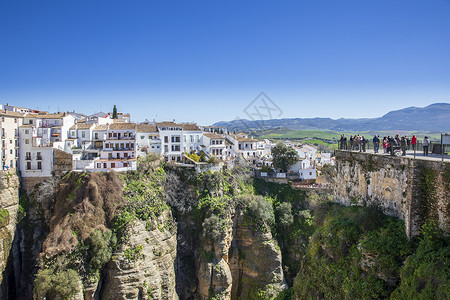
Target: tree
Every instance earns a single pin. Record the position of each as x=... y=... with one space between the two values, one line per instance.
x=114 y=116
x=284 y=156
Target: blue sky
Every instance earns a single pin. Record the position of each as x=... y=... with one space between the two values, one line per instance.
x=204 y=61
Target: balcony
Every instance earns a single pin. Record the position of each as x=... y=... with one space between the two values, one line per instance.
x=121 y=137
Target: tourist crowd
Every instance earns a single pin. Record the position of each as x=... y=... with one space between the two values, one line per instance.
x=391 y=145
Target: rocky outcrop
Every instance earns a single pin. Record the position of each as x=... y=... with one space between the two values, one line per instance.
x=144 y=267
x=255 y=261
x=244 y=262
x=9 y=205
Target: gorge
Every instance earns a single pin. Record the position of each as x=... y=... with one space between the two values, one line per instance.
x=164 y=232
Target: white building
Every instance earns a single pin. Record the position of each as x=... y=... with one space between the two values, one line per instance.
x=171 y=135
x=147 y=139
x=245 y=146
x=9 y=139
x=119 y=147
x=81 y=134
x=192 y=137
x=35 y=158
x=215 y=145
x=38 y=136
x=51 y=129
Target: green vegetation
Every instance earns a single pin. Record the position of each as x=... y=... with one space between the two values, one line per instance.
x=57 y=284
x=133 y=254
x=4 y=217
x=114 y=113
x=426 y=274
x=359 y=253
x=100 y=245
x=284 y=156
x=144 y=195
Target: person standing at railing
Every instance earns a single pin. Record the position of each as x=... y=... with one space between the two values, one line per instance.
x=414 y=142
x=426 y=143
x=376 y=143
x=403 y=144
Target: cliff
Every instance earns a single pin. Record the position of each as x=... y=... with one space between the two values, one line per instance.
x=413 y=190
x=9 y=206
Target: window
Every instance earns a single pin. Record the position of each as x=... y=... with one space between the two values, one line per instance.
x=73 y=133
x=310 y=173
x=142 y=137
x=198 y=138
x=30 y=121
x=166 y=148
x=125 y=154
x=10 y=141
x=29 y=165
x=104 y=165
x=39 y=165
x=28 y=156
x=39 y=156
x=10 y=151
x=96 y=135
x=83 y=134
x=15 y=120
x=99 y=165
x=175 y=147
x=125 y=164
x=113 y=165
x=192 y=138
x=27 y=131
x=184 y=138
x=166 y=139
x=27 y=141
x=176 y=139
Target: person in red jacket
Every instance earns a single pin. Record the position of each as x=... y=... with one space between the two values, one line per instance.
x=414 y=142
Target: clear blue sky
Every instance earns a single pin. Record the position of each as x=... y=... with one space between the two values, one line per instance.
x=205 y=61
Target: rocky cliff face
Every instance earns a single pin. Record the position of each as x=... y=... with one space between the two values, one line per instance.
x=9 y=205
x=143 y=268
x=141 y=235
x=413 y=190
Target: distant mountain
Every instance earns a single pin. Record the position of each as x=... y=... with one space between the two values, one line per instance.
x=434 y=117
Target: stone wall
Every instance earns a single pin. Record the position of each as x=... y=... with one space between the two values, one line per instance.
x=413 y=190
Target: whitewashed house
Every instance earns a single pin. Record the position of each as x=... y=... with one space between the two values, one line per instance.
x=171 y=135
x=35 y=157
x=215 y=145
x=82 y=136
x=192 y=137
x=147 y=139
x=10 y=121
x=119 y=147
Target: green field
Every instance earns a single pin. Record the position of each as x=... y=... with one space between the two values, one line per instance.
x=330 y=138
x=334 y=135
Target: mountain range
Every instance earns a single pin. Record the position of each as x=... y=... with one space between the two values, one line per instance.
x=434 y=117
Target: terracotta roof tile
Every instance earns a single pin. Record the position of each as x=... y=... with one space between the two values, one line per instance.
x=146 y=128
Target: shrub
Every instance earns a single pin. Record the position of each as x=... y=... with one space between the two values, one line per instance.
x=426 y=274
x=284 y=215
x=101 y=246
x=214 y=227
x=4 y=217
x=62 y=284
x=261 y=210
